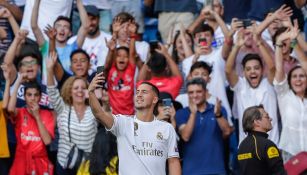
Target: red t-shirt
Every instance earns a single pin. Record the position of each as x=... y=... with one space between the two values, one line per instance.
x=170 y=85
x=31 y=154
x=121 y=89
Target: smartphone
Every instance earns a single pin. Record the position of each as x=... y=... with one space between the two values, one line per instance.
x=202 y=41
x=99 y=69
x=167 y=102
x=246 y=22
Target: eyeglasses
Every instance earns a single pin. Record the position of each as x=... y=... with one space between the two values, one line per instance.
x=28 y=63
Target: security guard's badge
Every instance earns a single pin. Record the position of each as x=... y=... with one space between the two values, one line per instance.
x=136 y=127
x=272 y=152
x=159 y=136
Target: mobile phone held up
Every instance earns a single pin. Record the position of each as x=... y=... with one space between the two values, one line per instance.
x=202 y=41
x=98 y=71
x=246 y=22
x=167 y=102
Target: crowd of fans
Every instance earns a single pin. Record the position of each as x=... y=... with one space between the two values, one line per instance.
x=210 y=60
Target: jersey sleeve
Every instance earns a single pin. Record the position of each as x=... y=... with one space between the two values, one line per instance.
x=172 y=144
x=55 y=99
x=282 y=87
x=274 y=159
x=119 y=125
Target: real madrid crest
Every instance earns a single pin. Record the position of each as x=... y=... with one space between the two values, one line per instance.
x=159 y=136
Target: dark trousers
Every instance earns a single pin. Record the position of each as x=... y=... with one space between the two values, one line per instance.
x=61 y=171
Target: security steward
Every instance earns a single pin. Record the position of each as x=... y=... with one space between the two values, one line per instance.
x=257 y=154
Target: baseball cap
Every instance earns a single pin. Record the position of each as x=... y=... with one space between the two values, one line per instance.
x=92 y=10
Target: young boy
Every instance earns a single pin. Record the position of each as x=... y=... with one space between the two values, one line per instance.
x=120 y=68
x=34 y=128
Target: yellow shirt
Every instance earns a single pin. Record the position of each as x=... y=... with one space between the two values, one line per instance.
x=4 y=147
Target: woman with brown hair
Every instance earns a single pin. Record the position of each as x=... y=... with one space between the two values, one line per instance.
x=76 y=123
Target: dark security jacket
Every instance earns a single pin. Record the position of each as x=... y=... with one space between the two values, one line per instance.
x=258 y=155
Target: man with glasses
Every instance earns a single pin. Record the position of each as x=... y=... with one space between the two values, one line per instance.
x=257 y=154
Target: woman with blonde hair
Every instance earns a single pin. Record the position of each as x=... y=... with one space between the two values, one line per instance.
x=76 y=124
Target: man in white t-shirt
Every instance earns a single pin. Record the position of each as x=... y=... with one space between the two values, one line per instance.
x=144 y=142
x=95 y=41
x=254 y=88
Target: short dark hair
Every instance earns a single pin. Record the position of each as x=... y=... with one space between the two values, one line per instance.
x=64 y=18
x=197 y=81
x=123 y=48
x=249 y=57
x=79 y=51
x=153 y=87
x=249 y=116
x=32 y=85
x=201 y=64
x=157 y=63
x=203 y=28
x=278 y=32
x=29 y=48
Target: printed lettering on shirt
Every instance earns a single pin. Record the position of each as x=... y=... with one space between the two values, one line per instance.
x=148 y=149
x=30 y=136
x=245 y=156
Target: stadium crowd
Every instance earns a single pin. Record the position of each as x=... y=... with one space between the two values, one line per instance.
x=152 y=86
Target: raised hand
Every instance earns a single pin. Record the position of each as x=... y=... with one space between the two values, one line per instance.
x=207 y=12
x=294 y=31
x=217 y=107
x=51 y=60
x=111 y=44
x=161 y=49
x=116 y=25
x=192 y=106
x=132 y=28
x=50 y=32
x=5 y=13
x=6 y=71
x=240 y=40
x=235 y=25
x=22 y=78
x=33 y=109
x=97 y=82
x=283 y=12
x=21 y=35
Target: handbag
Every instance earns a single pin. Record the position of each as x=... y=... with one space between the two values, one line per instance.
x=75 y=154
x=297 y=164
